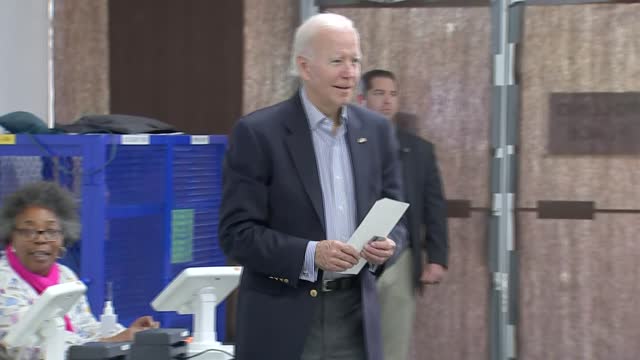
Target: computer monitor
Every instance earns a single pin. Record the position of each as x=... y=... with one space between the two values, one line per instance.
x=44 y=320
x=197 y=291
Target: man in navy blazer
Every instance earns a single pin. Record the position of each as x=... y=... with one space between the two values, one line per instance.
x=423 y=259
x=298 y=177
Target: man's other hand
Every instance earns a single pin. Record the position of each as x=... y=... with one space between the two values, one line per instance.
x=432 y=273
x=377 y=252
x=335 y=256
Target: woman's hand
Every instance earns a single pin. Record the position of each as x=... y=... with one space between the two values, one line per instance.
x=141 y=323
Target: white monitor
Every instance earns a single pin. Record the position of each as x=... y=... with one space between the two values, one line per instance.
x=178 y=295
x=197 y=291
x=44 y=320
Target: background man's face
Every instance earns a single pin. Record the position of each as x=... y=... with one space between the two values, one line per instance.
x=382 y=97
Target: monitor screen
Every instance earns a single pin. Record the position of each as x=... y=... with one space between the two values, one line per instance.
x=180 y=293
x=53 y=303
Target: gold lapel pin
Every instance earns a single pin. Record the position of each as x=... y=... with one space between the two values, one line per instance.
x=362 y=140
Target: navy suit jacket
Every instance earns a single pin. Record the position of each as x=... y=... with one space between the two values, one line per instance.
x=272 y=207
x=427 y=215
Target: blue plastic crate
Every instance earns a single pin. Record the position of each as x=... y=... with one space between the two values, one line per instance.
x=130 y=187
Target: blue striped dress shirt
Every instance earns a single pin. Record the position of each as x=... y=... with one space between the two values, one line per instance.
x=336 y=180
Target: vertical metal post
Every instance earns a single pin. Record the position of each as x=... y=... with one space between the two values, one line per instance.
x=506 y=34
x=307 y=8
x=51 y=116
x=94 y=215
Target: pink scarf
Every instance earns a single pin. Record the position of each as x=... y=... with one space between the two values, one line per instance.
x=38 y=282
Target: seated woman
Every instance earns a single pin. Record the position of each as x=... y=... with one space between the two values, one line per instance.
x=37 y=222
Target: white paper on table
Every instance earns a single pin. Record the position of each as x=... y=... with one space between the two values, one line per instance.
x=381 y=219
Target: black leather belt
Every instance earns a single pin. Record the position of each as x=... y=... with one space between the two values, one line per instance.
x=339 y=284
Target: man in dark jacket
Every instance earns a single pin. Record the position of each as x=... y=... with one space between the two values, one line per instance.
x=410 y=269
x=298 y=177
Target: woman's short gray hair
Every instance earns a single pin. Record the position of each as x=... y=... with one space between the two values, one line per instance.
x=43 y=194
x=309 y=29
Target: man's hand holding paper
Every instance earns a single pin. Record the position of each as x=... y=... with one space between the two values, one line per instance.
x=335 y=255
x=378 y=251
x=381 y=219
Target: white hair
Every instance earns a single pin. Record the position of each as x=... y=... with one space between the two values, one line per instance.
x=309 y=29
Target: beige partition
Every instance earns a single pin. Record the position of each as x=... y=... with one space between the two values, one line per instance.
x=578 y=278
x=452 y=318
x=442 y=59
x=268 y=32
x=579 y=288
x=81 y=58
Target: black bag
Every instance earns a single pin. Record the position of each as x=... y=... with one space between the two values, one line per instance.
x=117 y=124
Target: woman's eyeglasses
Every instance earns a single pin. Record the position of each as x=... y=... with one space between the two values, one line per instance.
x=33 y=234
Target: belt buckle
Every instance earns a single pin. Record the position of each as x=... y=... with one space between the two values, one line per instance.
x=323 y=286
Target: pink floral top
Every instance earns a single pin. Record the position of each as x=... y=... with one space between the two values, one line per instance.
x=16 y=296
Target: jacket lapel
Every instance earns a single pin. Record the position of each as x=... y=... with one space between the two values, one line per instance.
x=300 y=146
x=360 y=140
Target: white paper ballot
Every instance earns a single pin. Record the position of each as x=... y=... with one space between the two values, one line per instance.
x=381 y=219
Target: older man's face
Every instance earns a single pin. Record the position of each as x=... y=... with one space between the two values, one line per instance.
x=330 y=73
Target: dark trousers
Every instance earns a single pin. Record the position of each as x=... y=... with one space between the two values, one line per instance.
x=336 y=331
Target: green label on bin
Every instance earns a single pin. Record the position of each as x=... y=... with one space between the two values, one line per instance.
x=181 y=235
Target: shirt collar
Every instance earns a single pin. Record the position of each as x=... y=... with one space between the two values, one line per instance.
x=315 y=116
